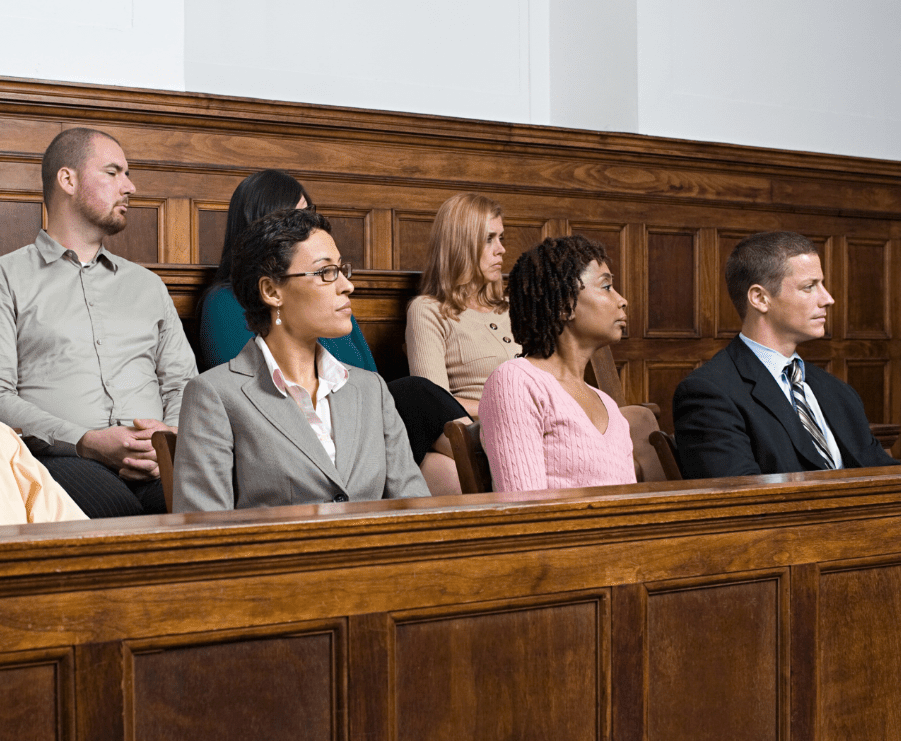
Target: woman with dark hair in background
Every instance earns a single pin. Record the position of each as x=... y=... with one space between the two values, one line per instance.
x=543 y=427
x=223 y=331
x=284 y=422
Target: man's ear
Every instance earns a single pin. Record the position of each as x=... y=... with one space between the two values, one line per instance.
x=759 y=298
x=67 y=179
x=270 y=292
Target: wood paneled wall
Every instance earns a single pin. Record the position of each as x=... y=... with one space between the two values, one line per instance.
x=668 y=210
x=752 y=608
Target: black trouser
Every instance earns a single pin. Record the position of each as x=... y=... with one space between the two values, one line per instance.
x=100 y=492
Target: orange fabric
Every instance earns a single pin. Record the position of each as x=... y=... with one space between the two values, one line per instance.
x=29 y=493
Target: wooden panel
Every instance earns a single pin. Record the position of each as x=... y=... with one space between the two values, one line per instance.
x=211 y=225
x=99 y=679
x=859 y=678
x=532 y=672
x=609 y=612
x=268 y=688
x=612 y=237
x=672 y=280
x=378 y=238
x=34 y=696
x=706 y=682
x=140 y=240
x=21 y=222
x=661 y=379
x=348 y=231
x=411 y=232
x=178 y=237
x=386 y=340
x=520 y=235
x=869 y=293
x=870 y=379
x=728 y=323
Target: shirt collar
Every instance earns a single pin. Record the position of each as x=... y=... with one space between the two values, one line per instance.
x=332 y=374
x=772 y=360
x=51 y=251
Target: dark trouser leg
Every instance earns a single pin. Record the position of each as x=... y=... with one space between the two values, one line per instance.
x=424 y=408
x=100 y=492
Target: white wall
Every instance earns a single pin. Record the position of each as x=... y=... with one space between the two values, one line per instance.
x=594 y=65
x=132 y=43
x=821 y=75
x=467 y=58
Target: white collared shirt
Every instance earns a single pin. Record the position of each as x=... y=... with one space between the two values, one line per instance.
x=775 y=363
x=332 y=376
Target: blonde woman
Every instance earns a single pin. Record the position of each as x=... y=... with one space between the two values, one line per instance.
x=458 y=329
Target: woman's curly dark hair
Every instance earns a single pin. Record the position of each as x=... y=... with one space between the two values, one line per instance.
x=266 y=249
x=544 y=288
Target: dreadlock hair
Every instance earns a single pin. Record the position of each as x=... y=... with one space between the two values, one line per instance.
x=544 y=288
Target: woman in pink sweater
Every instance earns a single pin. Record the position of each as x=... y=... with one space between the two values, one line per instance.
x=543 y=427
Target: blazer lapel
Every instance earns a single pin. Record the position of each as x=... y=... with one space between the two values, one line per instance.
x=281 y=412
x=347 y=408
x=834 y=418
x=767 y=392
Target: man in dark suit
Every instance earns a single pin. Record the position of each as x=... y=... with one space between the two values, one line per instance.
x=756 y=407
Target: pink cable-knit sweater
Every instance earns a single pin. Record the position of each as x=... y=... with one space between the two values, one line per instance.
x=537 y=436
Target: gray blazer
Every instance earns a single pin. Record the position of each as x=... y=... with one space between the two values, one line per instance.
x=242 y=444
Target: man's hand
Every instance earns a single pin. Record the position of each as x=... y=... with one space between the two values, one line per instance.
x=127 y=450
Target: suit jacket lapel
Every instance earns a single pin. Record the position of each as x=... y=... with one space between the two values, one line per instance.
x=766 y=391
x=347 y=407
x=281 y=412
x=836 y=421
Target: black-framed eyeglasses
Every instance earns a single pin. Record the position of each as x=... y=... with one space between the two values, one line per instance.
x=329 y=273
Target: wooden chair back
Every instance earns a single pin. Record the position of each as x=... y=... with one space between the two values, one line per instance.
x=608 y=379
x=164 y=445
x=469 y=456
x=665 y=445
x=642 y=423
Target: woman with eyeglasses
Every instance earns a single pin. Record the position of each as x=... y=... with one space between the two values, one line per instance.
x=284 y=422
x=223 y=331
x=424 y=407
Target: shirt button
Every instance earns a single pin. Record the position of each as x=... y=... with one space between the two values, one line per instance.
x=507 y=339
x=493 y=326
x=342 y=497
x=90 y=303
x=99 y=342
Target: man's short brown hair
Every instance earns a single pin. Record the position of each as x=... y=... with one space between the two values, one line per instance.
x=762 y=259
x=69 y=148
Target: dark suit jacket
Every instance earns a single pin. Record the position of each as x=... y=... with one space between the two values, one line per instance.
x=732 y=419
x=241 y=443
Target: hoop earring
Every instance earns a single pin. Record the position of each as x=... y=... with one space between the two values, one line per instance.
x=278 y=315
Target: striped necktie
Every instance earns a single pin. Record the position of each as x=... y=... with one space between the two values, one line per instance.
x=796 y=378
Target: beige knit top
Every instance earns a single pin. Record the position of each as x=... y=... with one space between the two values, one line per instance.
x=457 y=355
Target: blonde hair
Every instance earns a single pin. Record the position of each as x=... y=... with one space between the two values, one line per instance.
x=452 y=275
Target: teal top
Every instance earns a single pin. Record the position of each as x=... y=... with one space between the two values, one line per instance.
x=223 y=333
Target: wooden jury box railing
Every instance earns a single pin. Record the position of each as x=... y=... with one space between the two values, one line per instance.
x=748 y=608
